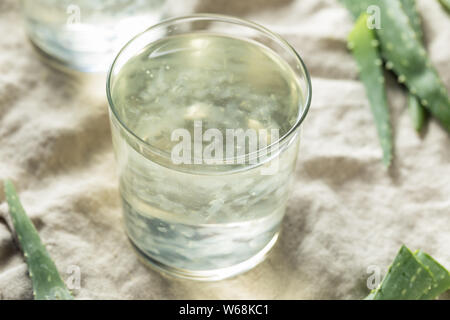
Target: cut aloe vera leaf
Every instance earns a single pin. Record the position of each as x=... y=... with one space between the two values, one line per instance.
x=441 y=275
x=362 y=41
x=406 y=279
x=46 y=281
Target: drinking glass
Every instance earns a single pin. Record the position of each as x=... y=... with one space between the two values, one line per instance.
x=86 y=34
x=188 y=97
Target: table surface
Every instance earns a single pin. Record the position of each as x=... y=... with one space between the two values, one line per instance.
x=346 y=214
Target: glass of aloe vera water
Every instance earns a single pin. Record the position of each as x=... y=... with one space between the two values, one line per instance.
x=202 y=197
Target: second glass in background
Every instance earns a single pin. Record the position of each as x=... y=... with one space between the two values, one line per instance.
x=86 y=34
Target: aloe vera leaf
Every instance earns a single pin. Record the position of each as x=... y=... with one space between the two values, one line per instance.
x=412 y=277
x=406 y=279
x=416 y=112
x=441 y=275
x=371 y=295
x=363 y=43
x=406 y=55
x=410 y=8
x=445 y=4
x=356 y=8
x=46 y=281
x=410 y=61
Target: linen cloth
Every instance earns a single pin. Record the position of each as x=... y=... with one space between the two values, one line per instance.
x=346 y=212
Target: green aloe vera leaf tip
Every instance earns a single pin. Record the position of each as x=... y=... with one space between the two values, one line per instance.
x=417 y=112
x=46 y=281
x=362 y=41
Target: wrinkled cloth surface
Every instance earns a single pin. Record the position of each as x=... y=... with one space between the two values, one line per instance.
x=346 y=213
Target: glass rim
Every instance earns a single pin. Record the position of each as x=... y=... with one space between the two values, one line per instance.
x=226 y=19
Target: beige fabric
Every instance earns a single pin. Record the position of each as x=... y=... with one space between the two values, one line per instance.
x=346 y=212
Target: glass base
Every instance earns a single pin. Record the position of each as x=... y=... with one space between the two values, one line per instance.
x=207 y=275
x=69 y=65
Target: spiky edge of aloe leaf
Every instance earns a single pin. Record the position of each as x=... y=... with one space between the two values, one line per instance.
x=406 y=55
x=406 y=279
x=47 y=283
x=409 y=60
x=410 y=8
x=441 y=275
x=416 y=112
x=363 y=43
x=445 y=4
